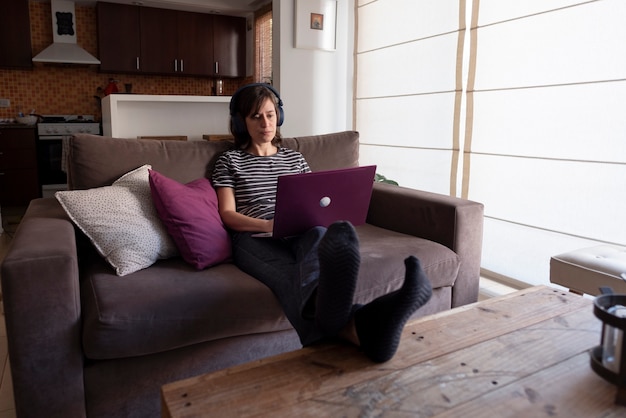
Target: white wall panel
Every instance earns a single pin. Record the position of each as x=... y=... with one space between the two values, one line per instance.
x=411 y=121
x=316 y=86
x=418 y=19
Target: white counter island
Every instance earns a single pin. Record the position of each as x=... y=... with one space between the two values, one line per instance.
x=135 y=115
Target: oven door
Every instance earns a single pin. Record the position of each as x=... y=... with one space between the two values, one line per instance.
x=52 y=176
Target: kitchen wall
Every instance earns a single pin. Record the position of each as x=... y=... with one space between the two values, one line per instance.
x=70 y=89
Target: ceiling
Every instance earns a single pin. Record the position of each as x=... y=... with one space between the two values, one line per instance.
x=227 y=7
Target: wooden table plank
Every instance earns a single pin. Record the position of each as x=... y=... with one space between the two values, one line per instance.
x=567 y=389
x=434 y=387
x=462 y=327
x=325 y=375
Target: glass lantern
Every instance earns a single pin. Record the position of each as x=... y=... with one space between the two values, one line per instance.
x=608 y=359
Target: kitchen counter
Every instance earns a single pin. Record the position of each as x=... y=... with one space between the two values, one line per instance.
x=135 y=115
x=16 y=126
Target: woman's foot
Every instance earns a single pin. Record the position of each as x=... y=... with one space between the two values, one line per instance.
x=379 y=324
x=339 y=260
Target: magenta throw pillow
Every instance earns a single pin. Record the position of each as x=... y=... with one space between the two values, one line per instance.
x=190 y=215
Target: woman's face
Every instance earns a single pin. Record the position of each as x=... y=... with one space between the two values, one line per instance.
x=262 y=125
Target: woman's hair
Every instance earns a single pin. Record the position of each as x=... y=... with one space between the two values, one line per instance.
x=247 y=102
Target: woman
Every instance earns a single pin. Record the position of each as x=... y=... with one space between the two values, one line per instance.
x=314 y=275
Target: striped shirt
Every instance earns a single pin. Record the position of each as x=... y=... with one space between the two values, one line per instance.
x=254 y=178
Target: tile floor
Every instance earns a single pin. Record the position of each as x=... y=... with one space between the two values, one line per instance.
x=491 y=288
x=10 y=219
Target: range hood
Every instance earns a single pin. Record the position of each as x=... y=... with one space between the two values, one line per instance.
x=64 y=48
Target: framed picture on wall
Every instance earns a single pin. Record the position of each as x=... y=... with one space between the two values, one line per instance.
x=315 y=24
x=317 y=21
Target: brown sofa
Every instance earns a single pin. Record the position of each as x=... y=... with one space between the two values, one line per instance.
x=85 y=342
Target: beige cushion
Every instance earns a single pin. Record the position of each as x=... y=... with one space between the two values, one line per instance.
x=587 y=269
x=121 y=222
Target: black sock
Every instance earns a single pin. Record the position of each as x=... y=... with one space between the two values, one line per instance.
x=379 y=324
x=339 y=259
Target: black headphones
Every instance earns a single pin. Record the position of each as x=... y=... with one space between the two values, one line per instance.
x=238 y=123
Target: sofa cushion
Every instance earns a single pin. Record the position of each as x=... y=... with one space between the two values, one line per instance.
x=96 y=161
x=190 y=214
x=180 y=306
x=328 y=151
x=171 y=305
x=382 y=261
x=121 y=222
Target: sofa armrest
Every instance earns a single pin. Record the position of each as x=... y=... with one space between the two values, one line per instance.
x=40 y=290
x=454 y=222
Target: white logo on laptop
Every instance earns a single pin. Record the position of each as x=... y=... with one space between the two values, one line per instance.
x=325 y=201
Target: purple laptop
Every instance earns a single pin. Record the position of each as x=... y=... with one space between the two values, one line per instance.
x=321 y=198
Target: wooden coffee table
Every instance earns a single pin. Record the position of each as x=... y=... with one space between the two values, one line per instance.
x=522 y=355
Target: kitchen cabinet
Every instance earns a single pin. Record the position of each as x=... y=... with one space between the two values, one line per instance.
x=19 y=183
x=229 y=46
x=159 y=40
x=163 y=41
x=185 y=47
x=195 y=43
x=15 y=46
x=118 y=37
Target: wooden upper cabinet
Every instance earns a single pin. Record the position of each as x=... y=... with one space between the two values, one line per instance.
x=229 y=46
x=15 y=46
x=163 y=41
x=118 y=37
x=195 y=43
x=159 y=47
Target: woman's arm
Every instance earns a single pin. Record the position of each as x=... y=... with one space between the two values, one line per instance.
x=235 y=220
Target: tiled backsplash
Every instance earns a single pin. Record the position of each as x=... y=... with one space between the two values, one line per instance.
x=71 y=89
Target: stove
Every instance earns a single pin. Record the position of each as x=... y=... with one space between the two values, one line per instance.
x=58 y=126
x=52 y=132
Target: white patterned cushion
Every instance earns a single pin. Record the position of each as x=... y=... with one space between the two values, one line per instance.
x=121 y=221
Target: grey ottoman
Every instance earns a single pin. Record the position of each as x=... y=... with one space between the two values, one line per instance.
x=587 y=269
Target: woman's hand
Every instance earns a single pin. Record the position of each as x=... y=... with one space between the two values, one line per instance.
x=235 y=220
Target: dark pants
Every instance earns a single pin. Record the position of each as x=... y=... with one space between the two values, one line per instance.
x=290 y=268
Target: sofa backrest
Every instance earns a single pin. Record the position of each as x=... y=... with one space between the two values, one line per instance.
x=329 y=151
x=96 y=161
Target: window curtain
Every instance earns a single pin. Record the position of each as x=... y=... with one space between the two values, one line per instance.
x=546 y=143
x=539 y=93
x=263 y=44
x=408 y=90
